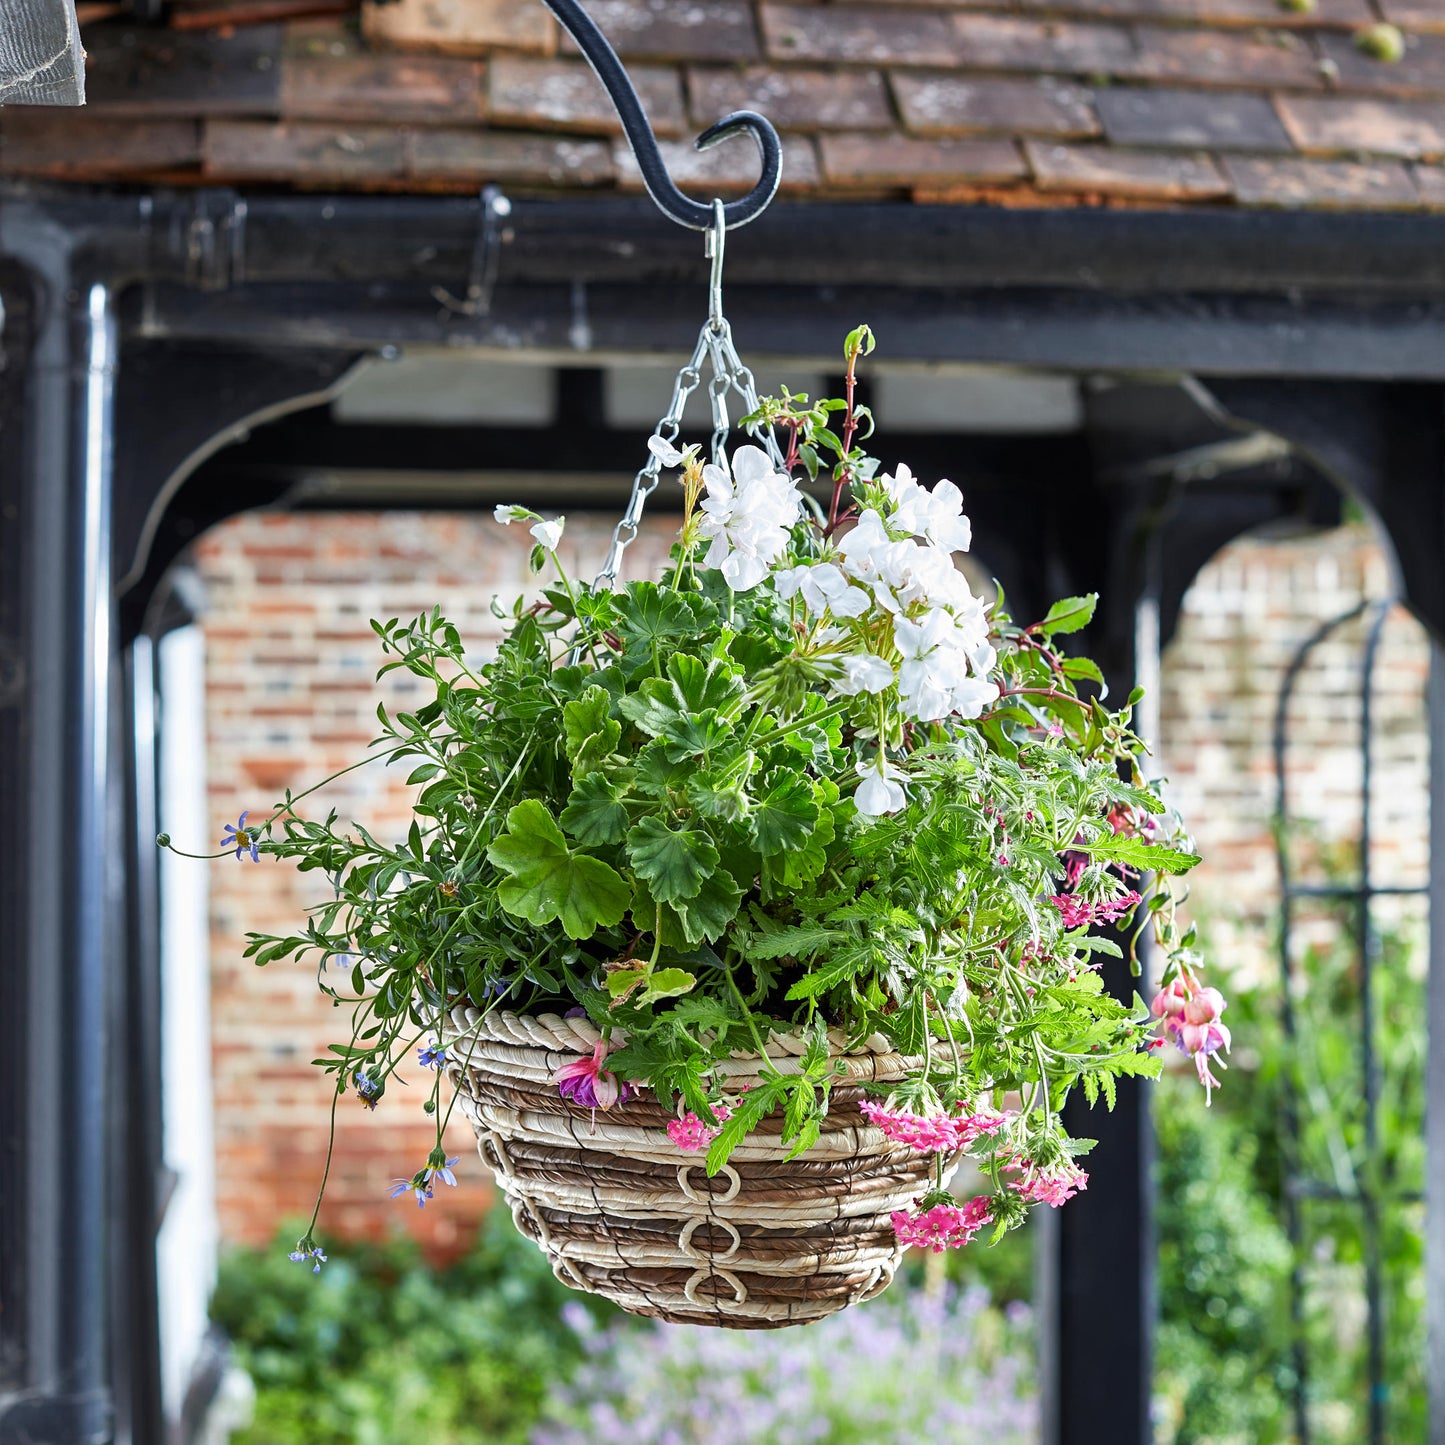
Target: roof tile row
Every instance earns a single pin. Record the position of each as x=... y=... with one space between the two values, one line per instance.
x=1033 y=101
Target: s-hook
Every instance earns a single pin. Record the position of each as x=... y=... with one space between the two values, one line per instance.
x=696 y=215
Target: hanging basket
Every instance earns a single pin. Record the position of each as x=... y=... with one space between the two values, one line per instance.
x=622 y=1212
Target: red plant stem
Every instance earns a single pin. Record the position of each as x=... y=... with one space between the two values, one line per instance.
x=850 y=426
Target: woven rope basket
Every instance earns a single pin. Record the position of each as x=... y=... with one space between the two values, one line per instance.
x=621 y=1211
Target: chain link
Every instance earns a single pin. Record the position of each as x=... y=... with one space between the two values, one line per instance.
x=729 y=375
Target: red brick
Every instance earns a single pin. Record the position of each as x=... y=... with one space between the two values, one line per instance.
x=247 y=149
x=1191 y=119
x=44 y=141
x=363 y=87
x=566 y=95
x=670 y=30
x=999 y=42
x=870 y=160
x=1110 y=171
x=732 y=166
x=1419 y=72
x=1345 y=185
x=937 y=103
x=1378 y=127
x=1223 y=57
x=793 y=99
x=870 y=34
x=489 y=155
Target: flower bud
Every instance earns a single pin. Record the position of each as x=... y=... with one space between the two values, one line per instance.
x=1206 y=1006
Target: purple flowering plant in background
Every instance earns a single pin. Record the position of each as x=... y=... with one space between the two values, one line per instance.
x=910 y=1366
x=810 y=781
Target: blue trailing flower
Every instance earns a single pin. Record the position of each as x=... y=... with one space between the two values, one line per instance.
x=433 y=1056
x=367 y=1088
x=244 y=839
x=418 y=1184
x=308 y=1249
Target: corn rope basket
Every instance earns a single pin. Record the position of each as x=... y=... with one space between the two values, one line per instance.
x=622 y=1212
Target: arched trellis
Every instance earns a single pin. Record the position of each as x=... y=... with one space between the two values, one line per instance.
x=1367 y=1193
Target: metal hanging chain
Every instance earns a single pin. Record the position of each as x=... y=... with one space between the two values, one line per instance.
x=714 y=346
x=670 y=201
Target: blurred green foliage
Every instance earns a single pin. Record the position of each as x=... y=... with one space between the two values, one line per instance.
x=1226 y=1361
x=380 y=1349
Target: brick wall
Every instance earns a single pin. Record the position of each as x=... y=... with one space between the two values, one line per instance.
x=291 y=697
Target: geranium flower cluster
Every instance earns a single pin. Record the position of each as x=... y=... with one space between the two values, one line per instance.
x=1053 y=1185
x=887 y=609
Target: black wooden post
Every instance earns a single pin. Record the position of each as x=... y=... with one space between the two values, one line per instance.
x=60 y=851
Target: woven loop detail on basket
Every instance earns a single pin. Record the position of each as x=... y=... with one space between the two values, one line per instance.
x=735 y=1185
x=702 y=1276
x=685 y=1244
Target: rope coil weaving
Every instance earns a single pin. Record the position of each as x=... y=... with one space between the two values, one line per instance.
x=621 y=1211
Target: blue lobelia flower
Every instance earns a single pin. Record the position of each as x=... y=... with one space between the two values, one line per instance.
x=246 y=839
x=443 y=1171
x=367 y=1089
x=433 y=1056
x=417 y=1184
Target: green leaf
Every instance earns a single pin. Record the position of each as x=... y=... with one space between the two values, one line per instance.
x=648 y=615
x=786 y=813
x=548 y=881
x=594 y=813
x=690 y=921
x=837 y=970
x=675 y=862
x=666 y=983
x=1077 y=667
x=1135 y=853
x=750 y=1109
x=1070 y=614
x=589 y=730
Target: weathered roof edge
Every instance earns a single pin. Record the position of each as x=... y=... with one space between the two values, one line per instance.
x=217 y=238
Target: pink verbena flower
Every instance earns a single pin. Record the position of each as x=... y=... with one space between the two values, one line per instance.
x=691 y=1134
x=1079 y=912
x=586 y=1082
x=944 y=1226
x=985 y=1121
x=935 y=1132
x=1053 y=1186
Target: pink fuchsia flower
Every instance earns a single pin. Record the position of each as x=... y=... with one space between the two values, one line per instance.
x=1053 y=1186
x=1080 y=913
x=944 y=1226
x=1204 y=1006
x=691 y=1134
x=587 y=1083
x=1190 y=1015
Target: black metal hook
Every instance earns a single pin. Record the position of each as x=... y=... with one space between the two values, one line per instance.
x=696 y=215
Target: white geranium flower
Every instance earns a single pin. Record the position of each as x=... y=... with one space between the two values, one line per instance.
x=665 y=452
x=824 y=588
x=934 y=664
x=863 y=672
x=748 y=515
x=933 y=578
x=937 y=515
x=880 y=791
x=549 y=533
